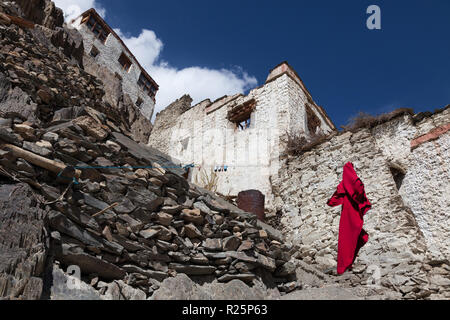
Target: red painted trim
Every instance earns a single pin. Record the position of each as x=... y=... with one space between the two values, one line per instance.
x=430 y=136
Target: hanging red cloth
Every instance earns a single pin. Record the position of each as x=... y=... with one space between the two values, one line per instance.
x=351 y=195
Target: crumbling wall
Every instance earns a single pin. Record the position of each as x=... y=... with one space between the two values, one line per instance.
x=300 y=103
x=165 y=121
x=204 y=136
x=46 y=22
x=407 y=223
x=423 y=182
x=43 y=12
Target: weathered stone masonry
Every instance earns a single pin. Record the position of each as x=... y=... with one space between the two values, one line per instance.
x=405 y=168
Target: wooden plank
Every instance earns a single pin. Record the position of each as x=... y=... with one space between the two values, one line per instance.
x=21 y=22
x=37 y=160
x=241 y=112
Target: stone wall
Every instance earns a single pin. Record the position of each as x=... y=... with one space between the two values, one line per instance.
x=203 y=136
x=424 y=188
x=166 y=119
x=42 y=12
x=115 y=95
x=408 y=222
x=46 y=21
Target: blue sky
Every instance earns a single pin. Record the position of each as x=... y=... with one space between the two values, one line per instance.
x=346 y=67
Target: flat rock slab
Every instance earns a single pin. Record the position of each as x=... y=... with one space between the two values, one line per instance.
x=90 y=264
x=182 y=287
x=147 y=153
x=157 y=275
x=325 y=293
x=192 y=269
x=248 y=277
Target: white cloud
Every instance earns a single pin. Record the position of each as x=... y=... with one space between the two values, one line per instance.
x=199 y=82
x=146 y=47
x=73 y=8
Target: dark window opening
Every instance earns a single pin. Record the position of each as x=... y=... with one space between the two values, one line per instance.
x=398 y=176
x=243 y=125
x=147 y=85
x=313 y=121
x=102 y=37
x=125 y=62
x=97 y=27
x=241 y=115
x=94 y=52
x=91 y=22
x=139 y=102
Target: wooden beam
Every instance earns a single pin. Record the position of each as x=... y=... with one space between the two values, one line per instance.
x=20 y=22
x=37 y=160
x=241 y=112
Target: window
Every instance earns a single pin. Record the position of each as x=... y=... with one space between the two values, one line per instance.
x=312 y=119
x=398 y=174
x=139 y=102
x=125 y=62
x=147 y=85
x=94 y=52
x=241 y=115
x=97 y=27
x=243 y=125
x=85 y=19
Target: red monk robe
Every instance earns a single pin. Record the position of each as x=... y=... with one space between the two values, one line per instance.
x=351 y=195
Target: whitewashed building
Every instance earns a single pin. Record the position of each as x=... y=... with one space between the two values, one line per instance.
x=235 y=143
x=106 y=47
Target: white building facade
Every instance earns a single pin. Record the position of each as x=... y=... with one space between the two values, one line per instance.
x=235 y=143
x=107 y=49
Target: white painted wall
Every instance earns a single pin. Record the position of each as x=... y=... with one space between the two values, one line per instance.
x=403 y=225
x=252 y=155
x=110 y=52
x=426 y=186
